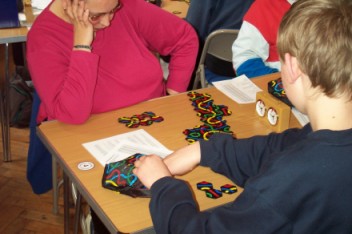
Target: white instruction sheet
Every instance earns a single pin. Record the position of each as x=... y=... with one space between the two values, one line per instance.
x=121 y=146
x=240 y=89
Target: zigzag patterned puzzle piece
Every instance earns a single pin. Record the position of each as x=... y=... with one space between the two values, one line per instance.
x=145 y=119
x=210 y=114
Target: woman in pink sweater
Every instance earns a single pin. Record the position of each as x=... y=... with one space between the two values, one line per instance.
x=119 y=69
x=93 y=56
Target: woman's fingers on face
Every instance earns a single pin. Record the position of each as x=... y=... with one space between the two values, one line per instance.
x=85 y=16
x=80 y=10
x=66 y=4
x=77 y=12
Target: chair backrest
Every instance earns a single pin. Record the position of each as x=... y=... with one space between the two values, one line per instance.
x=217 y=45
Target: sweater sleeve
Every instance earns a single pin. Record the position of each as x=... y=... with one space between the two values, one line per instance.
x=64 y=79
x=250 y=50
x=167 y=34
x=240 y=159
x=173 y=210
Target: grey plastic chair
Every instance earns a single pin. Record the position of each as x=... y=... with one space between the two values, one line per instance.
x=219 y=45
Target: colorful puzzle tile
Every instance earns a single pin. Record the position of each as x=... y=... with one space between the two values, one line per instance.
x=228 y=188
x=204 y=185
x=213 y=193
x=145 y=119
x=210 y=114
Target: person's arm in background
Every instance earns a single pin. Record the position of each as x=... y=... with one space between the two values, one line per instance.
x=250 y=50
x=254 y=51
x=167 y=34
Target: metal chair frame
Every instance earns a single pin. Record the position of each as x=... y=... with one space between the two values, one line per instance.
x=218 y=44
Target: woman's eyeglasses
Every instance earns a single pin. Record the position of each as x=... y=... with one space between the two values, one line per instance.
x=96 y=18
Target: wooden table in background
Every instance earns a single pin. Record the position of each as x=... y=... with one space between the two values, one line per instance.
x=131 y=215
x=176 y=7
x=8 y=36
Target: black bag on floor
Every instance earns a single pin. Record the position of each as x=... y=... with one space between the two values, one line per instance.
x=21 y=100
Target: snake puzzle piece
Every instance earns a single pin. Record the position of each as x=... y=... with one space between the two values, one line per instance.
x=204 y=185
x=213 y=193
x=228 y=189
x=145 y=119
x=118 y=176
x=276 y=89
x=210 y=114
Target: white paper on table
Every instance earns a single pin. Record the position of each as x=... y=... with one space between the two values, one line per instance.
x=108 y=149
x=240 y=89
x=302 y=118
x=126 y=149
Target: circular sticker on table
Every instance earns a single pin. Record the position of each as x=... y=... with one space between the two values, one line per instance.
x=84 y=166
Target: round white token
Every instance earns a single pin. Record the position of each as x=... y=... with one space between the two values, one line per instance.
x=84 y=166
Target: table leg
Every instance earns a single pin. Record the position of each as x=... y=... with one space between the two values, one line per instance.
x=66 y=203
x=5 y=110
x=55 y=186
x=77 y=212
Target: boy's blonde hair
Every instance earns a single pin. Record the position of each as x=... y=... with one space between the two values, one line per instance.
x=319 y=34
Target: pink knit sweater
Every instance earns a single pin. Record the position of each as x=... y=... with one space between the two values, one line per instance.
x=120 y=71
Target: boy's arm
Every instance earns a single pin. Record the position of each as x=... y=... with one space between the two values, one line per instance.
x=183 y=160
x=174 y=210
x=240 y=159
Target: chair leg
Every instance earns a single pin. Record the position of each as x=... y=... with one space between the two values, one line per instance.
x=203 y=81
x=55 y=188
x=196 y=81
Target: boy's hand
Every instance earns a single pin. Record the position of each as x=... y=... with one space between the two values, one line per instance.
x=149 y=169
x=78 y=15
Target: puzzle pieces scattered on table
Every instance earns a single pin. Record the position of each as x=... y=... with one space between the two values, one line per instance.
x=118 y=176
x=210 y=192
x=210 y=114
x=145 y=119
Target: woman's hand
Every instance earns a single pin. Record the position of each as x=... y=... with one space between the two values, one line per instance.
x=79 y=17
x=149 y=169
x=171 y=91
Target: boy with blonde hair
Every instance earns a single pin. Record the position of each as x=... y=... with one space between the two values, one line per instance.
x=298 y=181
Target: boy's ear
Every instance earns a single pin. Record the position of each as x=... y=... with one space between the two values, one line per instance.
x=292 y=66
